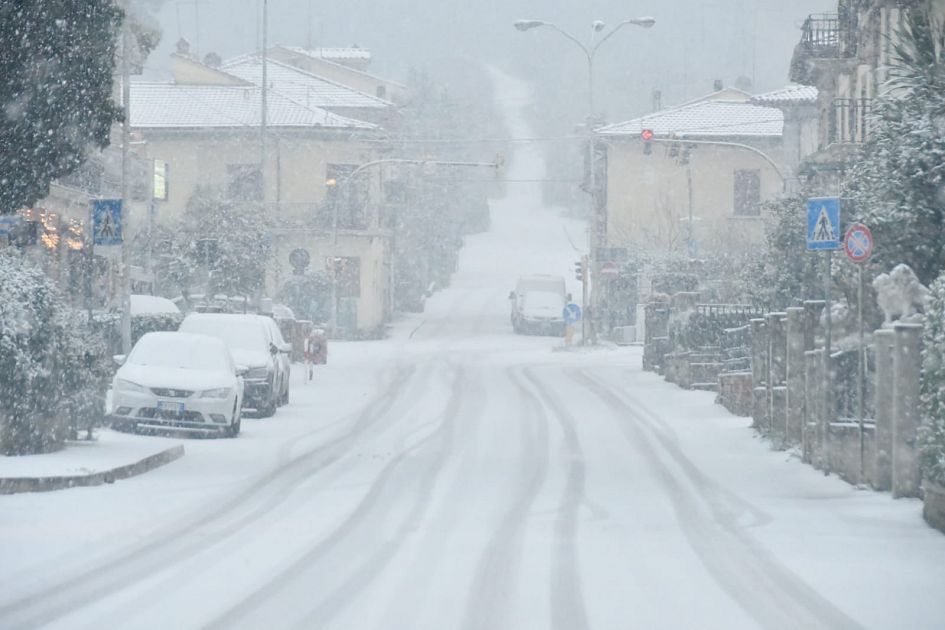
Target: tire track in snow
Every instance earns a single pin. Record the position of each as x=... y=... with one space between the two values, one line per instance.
x=567 y=599
x=407 y=468
x=769 y=592
x=494 y=582
x=182 y=542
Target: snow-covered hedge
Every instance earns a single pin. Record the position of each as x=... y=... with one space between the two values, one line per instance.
x=51 y=366
x=933 y=392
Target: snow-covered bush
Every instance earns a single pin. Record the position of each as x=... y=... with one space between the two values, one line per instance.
x=144 y=323
x=932 y=437
x=51 y=367
x=783 y=274
x=221 y=244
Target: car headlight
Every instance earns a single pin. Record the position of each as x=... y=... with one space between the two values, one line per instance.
x=261 y=372
x=131 y=388
x=220 y=392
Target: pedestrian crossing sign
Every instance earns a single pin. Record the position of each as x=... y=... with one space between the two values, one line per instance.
x=106 y=222
x=823 y=223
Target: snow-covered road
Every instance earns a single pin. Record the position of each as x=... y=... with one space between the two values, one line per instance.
x=457 y=476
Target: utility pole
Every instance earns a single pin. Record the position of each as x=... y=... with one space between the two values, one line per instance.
x=125 y=183
x=264 y=103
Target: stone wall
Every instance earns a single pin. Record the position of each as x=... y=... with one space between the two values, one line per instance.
x=844 y=452
x=794 y=404
x=934 y=508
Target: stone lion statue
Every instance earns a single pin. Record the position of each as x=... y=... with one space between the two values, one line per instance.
x=900 y=295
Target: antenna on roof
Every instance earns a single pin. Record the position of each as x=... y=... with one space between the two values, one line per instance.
x=308 y=40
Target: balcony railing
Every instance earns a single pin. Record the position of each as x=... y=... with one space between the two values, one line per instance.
x=829 y=36
x=849 y=121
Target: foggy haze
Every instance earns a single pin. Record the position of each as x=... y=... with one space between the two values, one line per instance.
x=693 y=43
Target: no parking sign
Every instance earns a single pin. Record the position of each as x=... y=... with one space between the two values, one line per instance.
x=858 y=243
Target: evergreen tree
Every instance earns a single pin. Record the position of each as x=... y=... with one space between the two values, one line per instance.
x=899 y=182
x=56 y=64
x=933 y=395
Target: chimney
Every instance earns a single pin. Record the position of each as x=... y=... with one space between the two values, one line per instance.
x=183 y=47
x=657 y=100
x=719 y=85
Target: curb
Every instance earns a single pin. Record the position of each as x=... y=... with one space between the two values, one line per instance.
x=16 y=485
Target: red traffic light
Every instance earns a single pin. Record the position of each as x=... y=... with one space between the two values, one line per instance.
x=647 y=135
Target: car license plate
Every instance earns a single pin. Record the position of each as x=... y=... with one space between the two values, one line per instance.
x=170 y=406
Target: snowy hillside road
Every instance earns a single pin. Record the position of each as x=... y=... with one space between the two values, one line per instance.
x=457 y=476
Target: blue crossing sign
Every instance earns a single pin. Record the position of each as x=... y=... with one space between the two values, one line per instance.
x=823 y=223
x=106 y=222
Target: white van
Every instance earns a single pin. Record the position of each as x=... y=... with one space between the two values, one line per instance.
x=538 y=303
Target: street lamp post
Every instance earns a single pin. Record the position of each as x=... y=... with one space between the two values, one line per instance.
x=590 y=51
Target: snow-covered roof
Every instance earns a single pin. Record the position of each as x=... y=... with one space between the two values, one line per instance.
x=335 y=63
x=790 y=95
x=173 y=106
x=705 y=119
x=332 y=53
x=300 y=86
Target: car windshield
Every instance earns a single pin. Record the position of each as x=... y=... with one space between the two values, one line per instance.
x=178 y=351
x=543 y=300
x=236 y=331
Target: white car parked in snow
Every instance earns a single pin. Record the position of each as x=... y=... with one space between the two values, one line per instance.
x=179 y=381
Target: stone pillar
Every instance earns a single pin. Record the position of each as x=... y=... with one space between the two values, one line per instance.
x=797 y=333
x=777 y=364
x=907 y=368
x=759 y=372
x=884 y=344
x=815 y=427
x=813 y=310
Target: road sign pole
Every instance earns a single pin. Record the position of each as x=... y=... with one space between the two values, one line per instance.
x=858 y=246
x=828 y=399
x=125 y=183
x=89 y=261
x=861 y=380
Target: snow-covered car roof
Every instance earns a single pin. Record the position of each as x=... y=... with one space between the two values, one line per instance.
x=152 y=305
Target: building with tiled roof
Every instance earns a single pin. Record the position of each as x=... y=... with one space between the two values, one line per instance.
x=209 y=135
x=700 y=184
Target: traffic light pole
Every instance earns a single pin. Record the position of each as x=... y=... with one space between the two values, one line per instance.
x=584 y=279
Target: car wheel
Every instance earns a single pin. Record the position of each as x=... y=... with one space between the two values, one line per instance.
x=285 y=397
x=234 y=429
x=269 y=410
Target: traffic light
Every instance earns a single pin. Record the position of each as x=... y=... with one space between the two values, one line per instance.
x=579 y=271
x=647 y=136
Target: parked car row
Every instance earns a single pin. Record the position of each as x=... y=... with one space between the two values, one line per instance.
x=201 y=378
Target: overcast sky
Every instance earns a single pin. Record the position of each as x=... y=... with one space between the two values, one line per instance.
x=693 y=43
